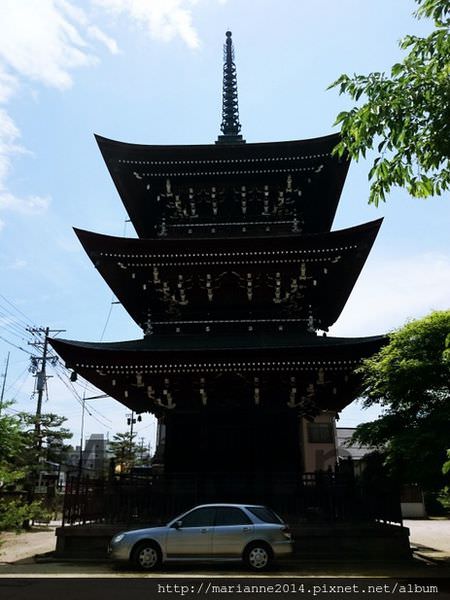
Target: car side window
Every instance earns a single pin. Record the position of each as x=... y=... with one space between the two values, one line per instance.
x=201 y=517
x=231 y=516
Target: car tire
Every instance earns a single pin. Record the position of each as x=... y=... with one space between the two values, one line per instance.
x=258 y=556
x=146 y=556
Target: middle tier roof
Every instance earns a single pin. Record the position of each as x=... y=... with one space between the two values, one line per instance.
x=189 y=285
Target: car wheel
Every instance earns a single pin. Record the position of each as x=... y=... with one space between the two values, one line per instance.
x=146 y=556
x=258 y=556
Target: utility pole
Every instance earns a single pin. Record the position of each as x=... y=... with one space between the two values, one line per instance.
x=131 y=421
x=5 y=374
x=41 y=376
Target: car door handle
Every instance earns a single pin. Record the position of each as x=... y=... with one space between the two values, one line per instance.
x=204 y=530
x=246 y=529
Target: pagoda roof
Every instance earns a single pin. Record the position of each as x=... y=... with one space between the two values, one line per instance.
x=142 y=173
x=203 y=280
x=308 y=344
x=160 y=373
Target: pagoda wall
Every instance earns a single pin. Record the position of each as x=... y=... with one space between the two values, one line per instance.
x=229 y=442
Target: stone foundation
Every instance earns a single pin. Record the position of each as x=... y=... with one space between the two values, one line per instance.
x=321 y=541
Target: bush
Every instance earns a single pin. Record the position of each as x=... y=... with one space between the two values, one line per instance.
x=13 y=513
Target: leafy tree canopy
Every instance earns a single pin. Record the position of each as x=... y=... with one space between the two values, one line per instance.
x=410 y=378
x=406 y=115
x=125 y=450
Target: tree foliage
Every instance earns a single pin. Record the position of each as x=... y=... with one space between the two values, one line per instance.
x=22 y=456
x=406 y=115
x=410 y=378
x=125 y=450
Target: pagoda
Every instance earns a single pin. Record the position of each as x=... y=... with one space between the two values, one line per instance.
x=235 y=278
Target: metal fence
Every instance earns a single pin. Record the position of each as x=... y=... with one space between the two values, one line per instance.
x=312 y=496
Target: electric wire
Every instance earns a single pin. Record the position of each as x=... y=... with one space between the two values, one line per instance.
x=6 y=322
x=11 y=385
x=80 y=402
x=20 y=312
x=113 y=296
x=18 y=347
x=70 y=385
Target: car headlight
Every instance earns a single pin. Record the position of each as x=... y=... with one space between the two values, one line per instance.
x=117 y=538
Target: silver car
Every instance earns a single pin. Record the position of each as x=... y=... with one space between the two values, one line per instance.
x=252 y=533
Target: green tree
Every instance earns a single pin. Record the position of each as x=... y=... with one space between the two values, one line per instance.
x=51 y=443
x=11 y=446
x=410 y=378
x=406 y=115
x=125 y=451
x=15 y=507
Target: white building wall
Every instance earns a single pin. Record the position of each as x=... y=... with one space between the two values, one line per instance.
x=319 y=455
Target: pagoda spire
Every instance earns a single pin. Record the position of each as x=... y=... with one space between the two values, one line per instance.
x=230 y=126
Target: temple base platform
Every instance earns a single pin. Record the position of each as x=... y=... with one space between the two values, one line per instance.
x=320 y=541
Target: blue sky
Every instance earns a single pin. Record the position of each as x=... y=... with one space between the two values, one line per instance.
x=150 y=71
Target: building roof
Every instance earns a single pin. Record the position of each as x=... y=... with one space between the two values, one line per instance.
x=150 y=178
x=189 y=284
x=308 y=344
x=345 y=450
x=161 y=373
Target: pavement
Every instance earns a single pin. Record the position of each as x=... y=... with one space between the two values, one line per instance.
x=430 y=539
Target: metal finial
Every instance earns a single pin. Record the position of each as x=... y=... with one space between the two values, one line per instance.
x=230 y=126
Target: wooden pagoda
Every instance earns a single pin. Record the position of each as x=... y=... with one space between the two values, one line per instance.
x=234 y=278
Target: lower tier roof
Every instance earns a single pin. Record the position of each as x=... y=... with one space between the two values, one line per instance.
x=305 y=374
x=261 y=342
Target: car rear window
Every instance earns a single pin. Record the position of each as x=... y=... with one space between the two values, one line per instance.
x=264 y=514
x=228 y=515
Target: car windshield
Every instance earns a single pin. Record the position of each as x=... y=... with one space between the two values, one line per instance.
x=264 y=514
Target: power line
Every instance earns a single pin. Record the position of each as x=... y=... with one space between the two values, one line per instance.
x=18 y=347
x=79 y=400
x=16 y=309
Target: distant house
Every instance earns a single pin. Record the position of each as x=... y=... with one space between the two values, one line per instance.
x=353 y=452
x=412 y=502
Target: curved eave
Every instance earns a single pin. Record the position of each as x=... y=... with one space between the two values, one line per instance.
x=133 y=372
x=98 y=242
x=140 y=173
x=193 y=348
x=115 y=149
x=127 y=264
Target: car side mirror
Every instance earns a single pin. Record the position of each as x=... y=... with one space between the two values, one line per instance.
x=178 y=524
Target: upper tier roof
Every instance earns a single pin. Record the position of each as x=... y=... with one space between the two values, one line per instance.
x=179 y=190
x=185 y=284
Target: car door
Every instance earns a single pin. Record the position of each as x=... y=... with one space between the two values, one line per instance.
x=232 y=531
x=193 y=538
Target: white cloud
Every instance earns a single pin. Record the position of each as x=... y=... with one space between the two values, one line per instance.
x=44 y=41
x=17 y=264
x=31 y=205
x=99 y=35
x=392 y=291
x=9 y=138
x=163 y=19
x=8 y=85
x=40 y=41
